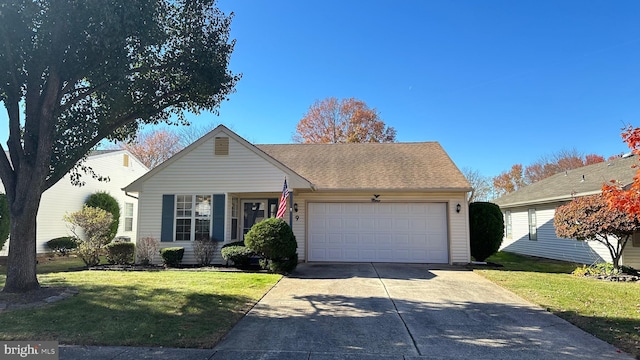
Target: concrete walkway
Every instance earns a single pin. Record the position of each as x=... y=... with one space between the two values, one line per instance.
x=386 y=311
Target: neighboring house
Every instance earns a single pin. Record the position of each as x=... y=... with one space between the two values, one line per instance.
x=120 y=166
x=529 y=213
x=372 y=202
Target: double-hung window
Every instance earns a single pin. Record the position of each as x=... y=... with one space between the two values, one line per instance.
x=193 y=217
x=533 y=227
x=507 y=224
x=128 y=216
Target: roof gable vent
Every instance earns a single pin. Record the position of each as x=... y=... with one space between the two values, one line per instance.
x=221 y=146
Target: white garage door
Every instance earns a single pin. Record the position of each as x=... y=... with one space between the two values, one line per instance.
x=378 y=232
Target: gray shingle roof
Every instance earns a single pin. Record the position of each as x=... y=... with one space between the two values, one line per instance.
x=423 y=166
x=586 y=180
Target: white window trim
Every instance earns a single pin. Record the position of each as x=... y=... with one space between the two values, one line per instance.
x=126 y=216
x=193 y=217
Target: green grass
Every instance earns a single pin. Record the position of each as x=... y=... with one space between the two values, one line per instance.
x=608 y=310
x=155 y=308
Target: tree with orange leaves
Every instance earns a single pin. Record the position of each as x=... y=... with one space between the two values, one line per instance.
x=342 y=121
x=619 y=196
x=588 y=218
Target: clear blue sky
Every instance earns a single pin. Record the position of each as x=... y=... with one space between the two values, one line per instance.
x=495 y=82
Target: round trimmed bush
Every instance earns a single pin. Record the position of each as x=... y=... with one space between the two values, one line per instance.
x=62 y=245
x=486 y=228
x=274 y=241
x=108 y=203
x=238 y=253
x=172 y=256
x=120 y=253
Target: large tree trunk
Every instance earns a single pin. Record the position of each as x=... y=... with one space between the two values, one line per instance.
x=24 y=201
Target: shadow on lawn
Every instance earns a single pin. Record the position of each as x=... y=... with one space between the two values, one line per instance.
x=516 y=262
x=128 y=315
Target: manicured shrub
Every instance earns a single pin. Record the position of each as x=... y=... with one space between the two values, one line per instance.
x=278 y=266
x=62 y=245
x=205 y=250
x=105 y=201
x=486 y=228
x=5 y=225
x=273 y=240
x=238 y=253
x=172 y=256
x=146 y=250
x=120 y=253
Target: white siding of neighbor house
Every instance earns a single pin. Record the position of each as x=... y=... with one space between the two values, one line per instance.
x=548 y=245
x=63 y=197
x=457 y=222
x=200 y=172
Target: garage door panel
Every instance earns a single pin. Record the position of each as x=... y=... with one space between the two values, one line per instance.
x=383 y=232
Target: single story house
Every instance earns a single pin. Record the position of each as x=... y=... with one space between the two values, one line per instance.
x=372 y=202
x=529 y=211
x=120 y=166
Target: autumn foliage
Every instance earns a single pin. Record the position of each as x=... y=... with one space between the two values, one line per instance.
x=589 y=218
x=153 y=147
x=621 y=197
x=342 y=121
x=519 y=176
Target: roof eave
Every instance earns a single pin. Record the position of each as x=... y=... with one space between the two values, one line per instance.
x=566 y=197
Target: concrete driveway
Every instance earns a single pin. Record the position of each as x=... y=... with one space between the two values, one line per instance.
x=399 y=311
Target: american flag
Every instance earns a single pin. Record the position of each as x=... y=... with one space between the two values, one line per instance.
x=282 y=205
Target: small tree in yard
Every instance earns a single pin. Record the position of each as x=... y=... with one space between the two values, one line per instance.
x=486 y=228
x=589 y=218
x=91 y=227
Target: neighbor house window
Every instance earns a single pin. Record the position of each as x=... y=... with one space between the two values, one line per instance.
x=128 y=216
x=125 y=160
x=193 y=217
x=533 y=234
x=234 y=218
x=507 y=224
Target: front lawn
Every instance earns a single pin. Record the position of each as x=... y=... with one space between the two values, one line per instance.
x=173 y=308
x=608 y=310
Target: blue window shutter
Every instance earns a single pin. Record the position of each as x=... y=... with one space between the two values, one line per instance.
x=168 y=206
x=218 y=217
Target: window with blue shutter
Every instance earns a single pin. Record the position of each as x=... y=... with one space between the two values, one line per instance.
x=168 y=204
x=218 y=217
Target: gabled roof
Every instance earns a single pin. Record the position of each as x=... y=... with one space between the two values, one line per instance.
x=220 y=129
x=423 y=166
x=587 y=180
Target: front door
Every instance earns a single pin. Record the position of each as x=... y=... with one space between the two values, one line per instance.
x=254 y=211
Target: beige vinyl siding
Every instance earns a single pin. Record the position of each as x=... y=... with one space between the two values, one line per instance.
x=199 y=171
x=63 y=197
x=299 y=226
x=458 y=222
x=548 y=245
x=631 y=255
x=242 y=174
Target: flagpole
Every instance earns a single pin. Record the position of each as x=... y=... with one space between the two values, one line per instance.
x=291 y=207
